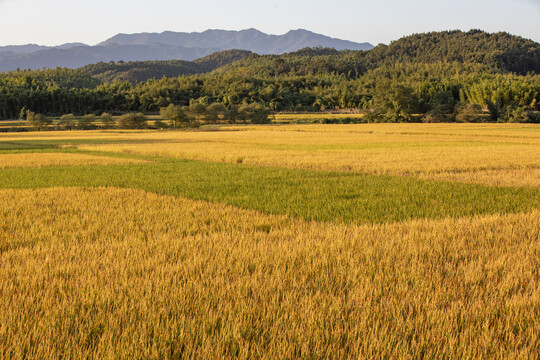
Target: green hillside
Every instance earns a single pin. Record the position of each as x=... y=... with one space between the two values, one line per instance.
x=140 y=71
x=499 y=51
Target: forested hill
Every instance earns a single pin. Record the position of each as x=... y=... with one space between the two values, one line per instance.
x=59 y=78
x=501 y=50
x=495 y=52
x=140 y=71
x=498 y=51
x=221 y=58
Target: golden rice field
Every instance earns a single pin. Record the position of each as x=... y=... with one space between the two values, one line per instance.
x=487 y=154
x=104 y=272
x=59 y=159
x=151 y=276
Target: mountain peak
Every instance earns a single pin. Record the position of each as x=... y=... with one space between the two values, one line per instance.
x=297 y=31
x=252 y=30
x=70 y=45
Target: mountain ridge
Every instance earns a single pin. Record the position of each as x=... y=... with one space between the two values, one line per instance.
x=83 y=55
x=248 y=39
x=167 y=45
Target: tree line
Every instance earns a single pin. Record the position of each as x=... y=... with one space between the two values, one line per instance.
x=191 y=116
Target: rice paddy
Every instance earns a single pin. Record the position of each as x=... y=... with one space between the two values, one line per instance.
x=271 y=242
x=485 y=154
x=59 y=159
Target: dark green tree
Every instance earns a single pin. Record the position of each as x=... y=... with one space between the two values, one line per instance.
x=469 y=113
x=132 y=121
x=215 y=111
x=254 y=113
x=396 y=102
x=175 y=114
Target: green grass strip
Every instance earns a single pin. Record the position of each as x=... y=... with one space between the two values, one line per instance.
x=308 y=194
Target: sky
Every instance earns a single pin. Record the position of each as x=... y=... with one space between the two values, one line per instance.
x=55 y=22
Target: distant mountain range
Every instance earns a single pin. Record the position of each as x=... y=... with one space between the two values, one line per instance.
x=251 y=39
x=16 y=50
x=165 y=46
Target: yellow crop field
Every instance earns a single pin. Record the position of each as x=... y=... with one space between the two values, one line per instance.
x=271 y=242
x=59 y=159
x=487 y=154
x=121 y=273
x=495 y=132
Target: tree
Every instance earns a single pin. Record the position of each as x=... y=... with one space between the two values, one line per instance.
x=522 y=115
x=255 y=113
x=175 y=114
x=67 y=121
x=232 y=115
x=494 y=111
x=197 y=109
x=132 y=121
x=87 y=122
x=469 y=113
x=441 y=108
x=396 y=101
x=214 y=111
x=22 y=113
x=37 y=121
x=107 y=121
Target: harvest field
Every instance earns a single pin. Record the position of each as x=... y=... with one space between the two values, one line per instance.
x=495 y=155
x=59 y=159
x=293 y=241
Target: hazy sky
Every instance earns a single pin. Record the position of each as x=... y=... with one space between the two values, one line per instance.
x=378 y=21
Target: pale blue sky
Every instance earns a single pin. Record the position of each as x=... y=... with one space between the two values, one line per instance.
x=380 y=21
